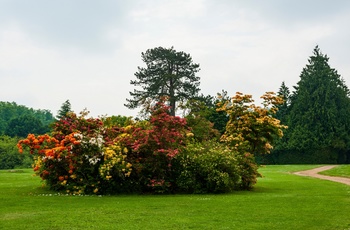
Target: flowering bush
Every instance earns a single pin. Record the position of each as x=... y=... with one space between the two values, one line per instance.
x=153 y=146
x=85 y=156
x=77 y=159
x=252 y=128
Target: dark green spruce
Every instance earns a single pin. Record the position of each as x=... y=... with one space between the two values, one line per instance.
x=317 y=114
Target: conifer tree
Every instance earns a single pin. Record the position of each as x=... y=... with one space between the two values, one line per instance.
x=65 y=108
x=168 y=74
x=319 y=120
x=282 y=112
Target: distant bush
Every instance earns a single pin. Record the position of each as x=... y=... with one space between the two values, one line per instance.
x=9 y=157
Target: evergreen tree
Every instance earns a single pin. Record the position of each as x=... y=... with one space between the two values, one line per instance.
x=318 y=120
x=65 y=108
x=169 y=74
x=282 y=112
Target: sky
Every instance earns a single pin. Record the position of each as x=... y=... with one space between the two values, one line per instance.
x=87 y=51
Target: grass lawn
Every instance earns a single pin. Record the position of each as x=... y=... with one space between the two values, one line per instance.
x=341 y=170
x=280 y=200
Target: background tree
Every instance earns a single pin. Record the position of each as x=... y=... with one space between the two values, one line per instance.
x=282 y=112
x=25 y=124
x=197 y=120
x=11 y=114
x=118 y=121
x=205 y=120
x=168 y=73
x=219 y=118
x=282 y=115
x=9 y=157
x=65 y=108
x=318 y=116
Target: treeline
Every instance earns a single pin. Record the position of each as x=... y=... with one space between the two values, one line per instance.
x=19 y=120
x=16 y=121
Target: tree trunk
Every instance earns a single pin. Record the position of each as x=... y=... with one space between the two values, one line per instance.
x=172 y=98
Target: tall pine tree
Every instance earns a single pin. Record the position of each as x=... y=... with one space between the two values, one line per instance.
x=168 y=74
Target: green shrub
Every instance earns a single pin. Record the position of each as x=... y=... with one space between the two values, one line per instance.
x=248 y=169
x=213 y=168
x=9 y=157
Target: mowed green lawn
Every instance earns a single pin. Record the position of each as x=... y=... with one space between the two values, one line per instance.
x=341 y=170
x=280 y=200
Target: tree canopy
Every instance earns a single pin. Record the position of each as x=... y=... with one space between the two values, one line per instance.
x=168 y=73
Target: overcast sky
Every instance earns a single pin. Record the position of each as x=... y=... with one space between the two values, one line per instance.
x=88 y=51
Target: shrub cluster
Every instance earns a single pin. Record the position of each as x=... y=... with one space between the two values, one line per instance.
x=86 y=156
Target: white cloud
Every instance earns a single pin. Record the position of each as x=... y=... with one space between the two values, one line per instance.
x=147 y=11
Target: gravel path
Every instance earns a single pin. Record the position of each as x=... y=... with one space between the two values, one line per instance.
x=314 y=173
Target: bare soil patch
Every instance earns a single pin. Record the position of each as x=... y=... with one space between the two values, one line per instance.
x=314 y=173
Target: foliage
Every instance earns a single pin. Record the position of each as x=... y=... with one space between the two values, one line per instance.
x=217 y=117
x=204 y=111
x=119 y=121
x=168 y=74
x=201 y=127
x=119 y=155
x=252 y=129
x=9 y=157
x=211 y=167
x=72 y=123
x=282 y=112
x=64 y=110
x=83 y=156
x=153 y=147
x=203 y=117
x=76 y=159
x=18 y=120
x=317 y=116
x=21 y=126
